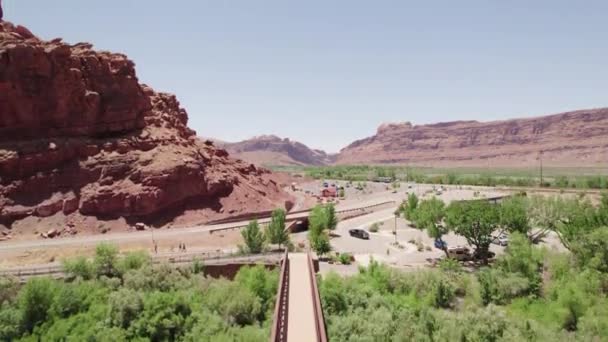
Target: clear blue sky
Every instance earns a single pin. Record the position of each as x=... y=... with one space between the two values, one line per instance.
x=328 y=72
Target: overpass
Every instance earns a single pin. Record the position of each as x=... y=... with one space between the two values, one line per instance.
x=298 y=315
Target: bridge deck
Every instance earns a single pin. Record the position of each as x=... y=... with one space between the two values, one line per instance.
x=301 y=324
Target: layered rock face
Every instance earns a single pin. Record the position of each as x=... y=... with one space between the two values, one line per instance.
x=272 y=150
x=79 y=134
x=574 y=139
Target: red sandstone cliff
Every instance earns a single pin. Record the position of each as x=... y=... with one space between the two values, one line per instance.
x=575 y=139
x=80 y=136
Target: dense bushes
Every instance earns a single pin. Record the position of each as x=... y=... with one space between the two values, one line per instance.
x=528 y=294
x=125 y=298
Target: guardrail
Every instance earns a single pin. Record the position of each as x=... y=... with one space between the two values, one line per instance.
x=316 y=298
x=173 y=259
x=281 y=308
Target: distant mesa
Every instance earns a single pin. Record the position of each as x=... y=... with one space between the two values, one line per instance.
x=275 y=151
x=578 y=138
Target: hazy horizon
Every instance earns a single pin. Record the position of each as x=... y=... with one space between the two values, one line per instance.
x=326 y=74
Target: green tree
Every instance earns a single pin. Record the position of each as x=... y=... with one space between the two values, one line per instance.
x=262 y=283
x=133 y=261
x=410 y=207
x=124 y=307
x=35 y=301
x=9 y=288
x=578 y=217
x=253 y=238
x=79 y=267
x=320 y=220
x=591 y=249
x=429 y=216
x=514 y=215
x=476 y=221
x=317 y=220
x=331 y=217
x=320 y=244
x=276 y=232
x=105 y=260
x=163 y=316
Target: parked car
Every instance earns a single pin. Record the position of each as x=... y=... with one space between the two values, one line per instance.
x=459 y=253
x=501 y=240
x=359 y=233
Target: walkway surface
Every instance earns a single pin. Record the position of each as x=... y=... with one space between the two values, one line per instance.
x=301 y=322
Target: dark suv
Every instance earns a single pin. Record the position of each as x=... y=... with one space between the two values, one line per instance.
x=359 y=233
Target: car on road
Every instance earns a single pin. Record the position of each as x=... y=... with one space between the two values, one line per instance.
x=359 y=233
x=501 y=240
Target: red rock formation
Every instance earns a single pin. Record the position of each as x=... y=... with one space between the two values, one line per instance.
x=570 y=139
x=272 y=150
x=78 y=133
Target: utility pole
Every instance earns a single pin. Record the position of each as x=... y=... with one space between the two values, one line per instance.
x=395 y=232
x=540 y=156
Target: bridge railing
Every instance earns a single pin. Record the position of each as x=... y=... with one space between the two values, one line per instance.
x=316 y=298
x=281 y=308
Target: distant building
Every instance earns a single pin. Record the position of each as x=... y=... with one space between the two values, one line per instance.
x=329 y=192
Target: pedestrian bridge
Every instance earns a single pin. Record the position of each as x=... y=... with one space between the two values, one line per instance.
x=298 y=315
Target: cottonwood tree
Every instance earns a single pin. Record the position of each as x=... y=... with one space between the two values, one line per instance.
x=475 y=221
x=514 y=215
x=331 y=217
x=253 y=238
x=410 y=206
x=320 y=220
x=429 y=216
x=320 y=244
x=276 y=233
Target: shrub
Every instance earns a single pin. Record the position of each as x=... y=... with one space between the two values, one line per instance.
x=105 y=260
x=35 y=301
x=345 y=258
x=79 y=267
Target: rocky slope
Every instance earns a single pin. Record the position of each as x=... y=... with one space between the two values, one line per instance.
x=577 y=138
x=272 y=150
x=79 y=136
